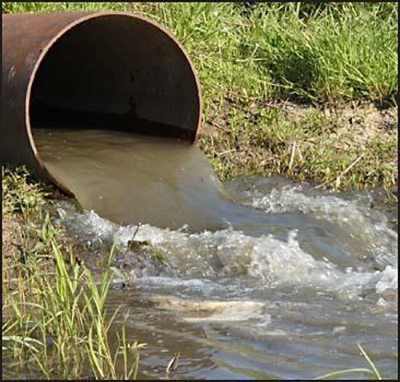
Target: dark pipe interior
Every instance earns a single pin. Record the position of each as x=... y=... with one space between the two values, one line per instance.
x=116 y=72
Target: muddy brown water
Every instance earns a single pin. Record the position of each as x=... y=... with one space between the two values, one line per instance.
x=267 y=279
x=131 y=178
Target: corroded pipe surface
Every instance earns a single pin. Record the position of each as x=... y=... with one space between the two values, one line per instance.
x=116 y=69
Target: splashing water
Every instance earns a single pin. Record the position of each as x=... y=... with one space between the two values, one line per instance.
x=292 y=295
x=334 y=244
x=283 y=283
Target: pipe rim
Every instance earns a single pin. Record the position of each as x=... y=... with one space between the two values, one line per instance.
x=63 y=31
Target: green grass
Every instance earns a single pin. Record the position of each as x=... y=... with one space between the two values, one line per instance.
x=328 y=55
x=54 y=316
x=248 y=56
x=54 y=319
x=311 y=147
x=373 y=370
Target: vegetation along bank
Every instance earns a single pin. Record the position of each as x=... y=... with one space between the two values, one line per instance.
x=307 y=91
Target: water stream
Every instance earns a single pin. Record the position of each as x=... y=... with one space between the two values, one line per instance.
x=261 y=278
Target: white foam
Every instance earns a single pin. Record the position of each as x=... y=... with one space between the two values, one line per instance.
x=355 y=222
x=216 y=311
x=199 y=260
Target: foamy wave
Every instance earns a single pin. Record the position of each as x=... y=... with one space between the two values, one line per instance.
x=195 y=259
x=359 y=224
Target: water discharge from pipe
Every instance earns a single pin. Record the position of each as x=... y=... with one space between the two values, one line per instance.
x=107 y=70
x=107 y=106
x=130 y=178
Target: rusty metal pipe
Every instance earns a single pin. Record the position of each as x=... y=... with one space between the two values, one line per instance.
x=113 y=68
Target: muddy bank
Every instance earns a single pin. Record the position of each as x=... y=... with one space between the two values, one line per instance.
x=349 y=147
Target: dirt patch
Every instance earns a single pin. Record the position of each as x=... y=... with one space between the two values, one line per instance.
x=364 y=121
x=7 y=236
x=303 y=142
x=10 y=226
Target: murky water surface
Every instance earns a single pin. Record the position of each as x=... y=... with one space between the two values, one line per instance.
x=270 y=280
x=129 y=178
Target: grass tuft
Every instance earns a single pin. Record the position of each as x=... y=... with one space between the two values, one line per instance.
x=304 y=90
x=341 y=373
x=53 y=309
x=330 y=56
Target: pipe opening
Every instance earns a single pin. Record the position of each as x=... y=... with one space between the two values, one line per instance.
x=117 y=72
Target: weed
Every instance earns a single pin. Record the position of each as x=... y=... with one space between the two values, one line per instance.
x=372 y=371
x=53 y=310
x=327 y=54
